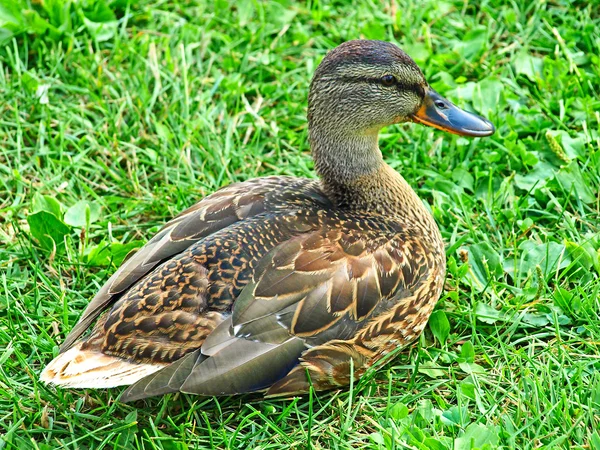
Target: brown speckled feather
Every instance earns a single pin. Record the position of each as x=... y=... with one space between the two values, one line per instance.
x=314 y=296
x=231 y=204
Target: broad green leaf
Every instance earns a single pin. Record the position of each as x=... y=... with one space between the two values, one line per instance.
x=477 y=436
x=573 y=181
x=126 y=437
x=528 y=65
x=99 y=11
x=463 y=92
x=526 y=224
x=455 y=416
x=583 y=255
x=104 y=254
x=245 y=11
x=567 y=300
x=595 y=441
x=468 y=389
x=434 y=444
x=426 y=410
x=48 y=204
x=472 y=43
x=538 y=177
x=471 y=367
x=443 y=81
x=377 y=438
x=487 y=96
x=399 y=411
x=418 y=51
x=82 y=213
x=59 y=13
x=131 y=417
x=11 y=20
x=100 y=21
x=6 y=34
x=536 y=320
x=279 y=14
x=37 y=25
x=439 y=326
x=101 y=31
x=416 y=436
x=485 y=265
x=485 y=313
x=431 y=369
x=467 y=352
x=550 y=256
x=47 y=229
x=463 y=178
x=573 y=147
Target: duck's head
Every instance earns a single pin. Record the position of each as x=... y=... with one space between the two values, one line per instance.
x=362 y=86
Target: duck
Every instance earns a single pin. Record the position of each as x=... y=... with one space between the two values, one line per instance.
x=279 y=284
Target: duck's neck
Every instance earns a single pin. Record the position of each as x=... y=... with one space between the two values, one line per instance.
x=355 y=177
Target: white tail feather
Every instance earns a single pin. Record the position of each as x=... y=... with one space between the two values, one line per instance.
x=78 y=368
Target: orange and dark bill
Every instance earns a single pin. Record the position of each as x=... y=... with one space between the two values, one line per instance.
x=440 y=113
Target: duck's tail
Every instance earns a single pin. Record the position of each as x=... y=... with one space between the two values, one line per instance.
x=77 y=368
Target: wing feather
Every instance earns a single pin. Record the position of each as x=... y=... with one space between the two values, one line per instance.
x=313 y=290
x=215 y=212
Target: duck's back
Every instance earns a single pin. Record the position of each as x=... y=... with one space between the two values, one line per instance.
x=231 y=294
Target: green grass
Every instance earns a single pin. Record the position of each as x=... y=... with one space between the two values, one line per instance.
x=128 y=113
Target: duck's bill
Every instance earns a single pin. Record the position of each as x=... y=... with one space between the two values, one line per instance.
x=440 y=113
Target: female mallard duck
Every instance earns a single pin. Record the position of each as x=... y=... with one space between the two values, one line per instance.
x=280 y=283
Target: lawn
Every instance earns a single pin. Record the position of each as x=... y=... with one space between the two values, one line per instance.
x=115 y=116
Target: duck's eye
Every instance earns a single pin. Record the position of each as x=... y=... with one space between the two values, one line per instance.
x=388 y=80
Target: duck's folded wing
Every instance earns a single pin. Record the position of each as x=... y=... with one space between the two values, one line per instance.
x=231 y=204
x=309 y=295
